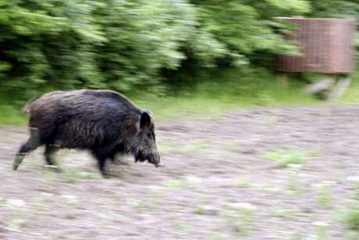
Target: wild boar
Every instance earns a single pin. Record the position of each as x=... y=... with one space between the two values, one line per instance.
x=102 y=121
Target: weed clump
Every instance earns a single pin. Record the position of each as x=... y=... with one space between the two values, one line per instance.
x=287 y=156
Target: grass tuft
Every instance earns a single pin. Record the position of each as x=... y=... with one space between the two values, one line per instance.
x=352 y=218
x=287 y=156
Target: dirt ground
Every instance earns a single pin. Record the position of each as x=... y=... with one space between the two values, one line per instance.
x=217 y=183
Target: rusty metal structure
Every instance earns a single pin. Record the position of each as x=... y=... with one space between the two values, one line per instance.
x=326 y=46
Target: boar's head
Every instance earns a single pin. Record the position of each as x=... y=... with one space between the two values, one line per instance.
x=144 y=144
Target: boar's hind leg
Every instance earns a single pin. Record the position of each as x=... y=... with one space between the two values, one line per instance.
x=30 y=145
x=50 y=150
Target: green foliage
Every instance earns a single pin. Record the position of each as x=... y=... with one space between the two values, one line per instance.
x=337 y=9
x=143 y=37
x=42 y=43
x=293 y=6
x=121 y=45
x=244 y=28
x=129 y=45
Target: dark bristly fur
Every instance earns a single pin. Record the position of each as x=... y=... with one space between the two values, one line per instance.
x=102 y=121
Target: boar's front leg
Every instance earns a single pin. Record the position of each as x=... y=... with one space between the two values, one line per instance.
x=101 y=154
x=113 y=153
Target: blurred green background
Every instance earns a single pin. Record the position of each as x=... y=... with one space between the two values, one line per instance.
x=173 y=56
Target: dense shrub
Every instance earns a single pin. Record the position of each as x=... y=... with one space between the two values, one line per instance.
x=132 y=44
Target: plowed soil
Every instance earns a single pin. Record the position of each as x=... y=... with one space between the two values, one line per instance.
x=218 y=182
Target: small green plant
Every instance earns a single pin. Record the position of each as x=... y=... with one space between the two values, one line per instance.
x=206 y=210
x=217 y=236
x=72 y=202
x=322 y=233
x=138 y=205
x=325 y=196
x=313 y=153
x=283 y=213
x=15 y=224
x=285 y=157
x=231 y=144
x=72 y=175
x=168 y=145
x=182 y=227
x=267 y=187
x=270 y=121
x=240 y=217
x=294 y=186
x=40 y=207
x=197 y=146
x=17 y=218
x=176 y=184
x=351 y=218
x=243 y=183
x=49 y=177
x=2 y=201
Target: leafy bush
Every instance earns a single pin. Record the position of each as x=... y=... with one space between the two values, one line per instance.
x=133 y=44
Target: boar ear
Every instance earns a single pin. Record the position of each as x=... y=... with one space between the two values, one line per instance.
x=146 y=119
